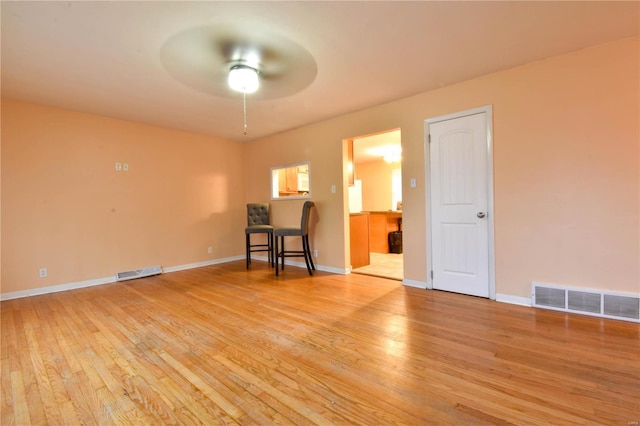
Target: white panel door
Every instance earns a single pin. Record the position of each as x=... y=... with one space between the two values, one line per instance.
x=459 y=194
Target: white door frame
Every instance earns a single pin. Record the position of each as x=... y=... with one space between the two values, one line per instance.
x=487 y=109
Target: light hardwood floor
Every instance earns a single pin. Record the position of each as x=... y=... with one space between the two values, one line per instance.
x=223 y=345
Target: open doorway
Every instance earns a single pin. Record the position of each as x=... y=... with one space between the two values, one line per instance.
x=375 y=205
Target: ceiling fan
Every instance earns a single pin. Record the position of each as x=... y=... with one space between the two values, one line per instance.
x=211 y=58
x=202 y=57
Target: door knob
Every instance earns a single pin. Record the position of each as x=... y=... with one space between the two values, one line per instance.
x=481 y=215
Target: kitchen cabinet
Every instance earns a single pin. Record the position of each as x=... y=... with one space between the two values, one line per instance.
x=288 y=181
x=359 y=239
x=380 y=224
x=293 y=180
x=351 y=168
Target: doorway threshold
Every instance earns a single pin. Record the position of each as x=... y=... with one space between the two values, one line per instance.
x=383 y=265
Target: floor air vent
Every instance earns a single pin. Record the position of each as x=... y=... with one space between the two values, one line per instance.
x=586 y=301
x=138 y=273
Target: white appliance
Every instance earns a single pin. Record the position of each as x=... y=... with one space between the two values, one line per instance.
x=303 y=181
x=355 y=197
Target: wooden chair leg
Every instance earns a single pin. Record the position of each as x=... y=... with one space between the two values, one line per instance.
x=276 y=254
x=307 y=255
x=306 y=240
x=282 y=252
x=248 y=249
x=269 y=249
x=270 y=242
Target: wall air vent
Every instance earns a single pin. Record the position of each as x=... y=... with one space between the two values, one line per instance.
x=586 y=301
x=621 y=306
x=138 y=273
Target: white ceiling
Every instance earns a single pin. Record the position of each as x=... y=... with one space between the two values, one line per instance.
x=104 y=57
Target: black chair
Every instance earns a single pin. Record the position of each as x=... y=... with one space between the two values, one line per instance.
x=258 y=223
x=303 y=233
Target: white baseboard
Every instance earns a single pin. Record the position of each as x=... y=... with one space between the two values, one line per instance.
x=201 y=264
x=105 y=280
x=416 y=284
x=304 y=265
x=504 y=298
x=514 y=300
x=168 y=269
x=56 y=288
x=329 y=269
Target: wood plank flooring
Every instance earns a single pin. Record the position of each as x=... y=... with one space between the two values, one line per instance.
x=222 y=345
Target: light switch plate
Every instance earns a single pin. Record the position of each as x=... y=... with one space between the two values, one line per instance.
x=412 y=183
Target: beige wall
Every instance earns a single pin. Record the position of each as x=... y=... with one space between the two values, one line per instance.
x=64 y=207
x=566 y=163
x=376 y=184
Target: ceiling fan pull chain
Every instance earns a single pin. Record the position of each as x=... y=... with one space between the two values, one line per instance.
x=244 y=110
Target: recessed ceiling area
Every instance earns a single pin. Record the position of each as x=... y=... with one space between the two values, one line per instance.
x=110 y=58
x=375 y=147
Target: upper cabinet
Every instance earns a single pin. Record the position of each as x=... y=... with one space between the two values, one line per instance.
x=291 y=181
x=351 y=167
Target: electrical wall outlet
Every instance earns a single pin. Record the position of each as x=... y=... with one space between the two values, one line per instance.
x=43 y=272
x=315 y=253
x=118 y=167
x=125 y=167
x=210 y=250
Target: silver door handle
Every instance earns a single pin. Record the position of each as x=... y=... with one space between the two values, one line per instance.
x=481 y=215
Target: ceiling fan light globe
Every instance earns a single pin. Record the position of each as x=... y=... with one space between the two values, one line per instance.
x=243 y=79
